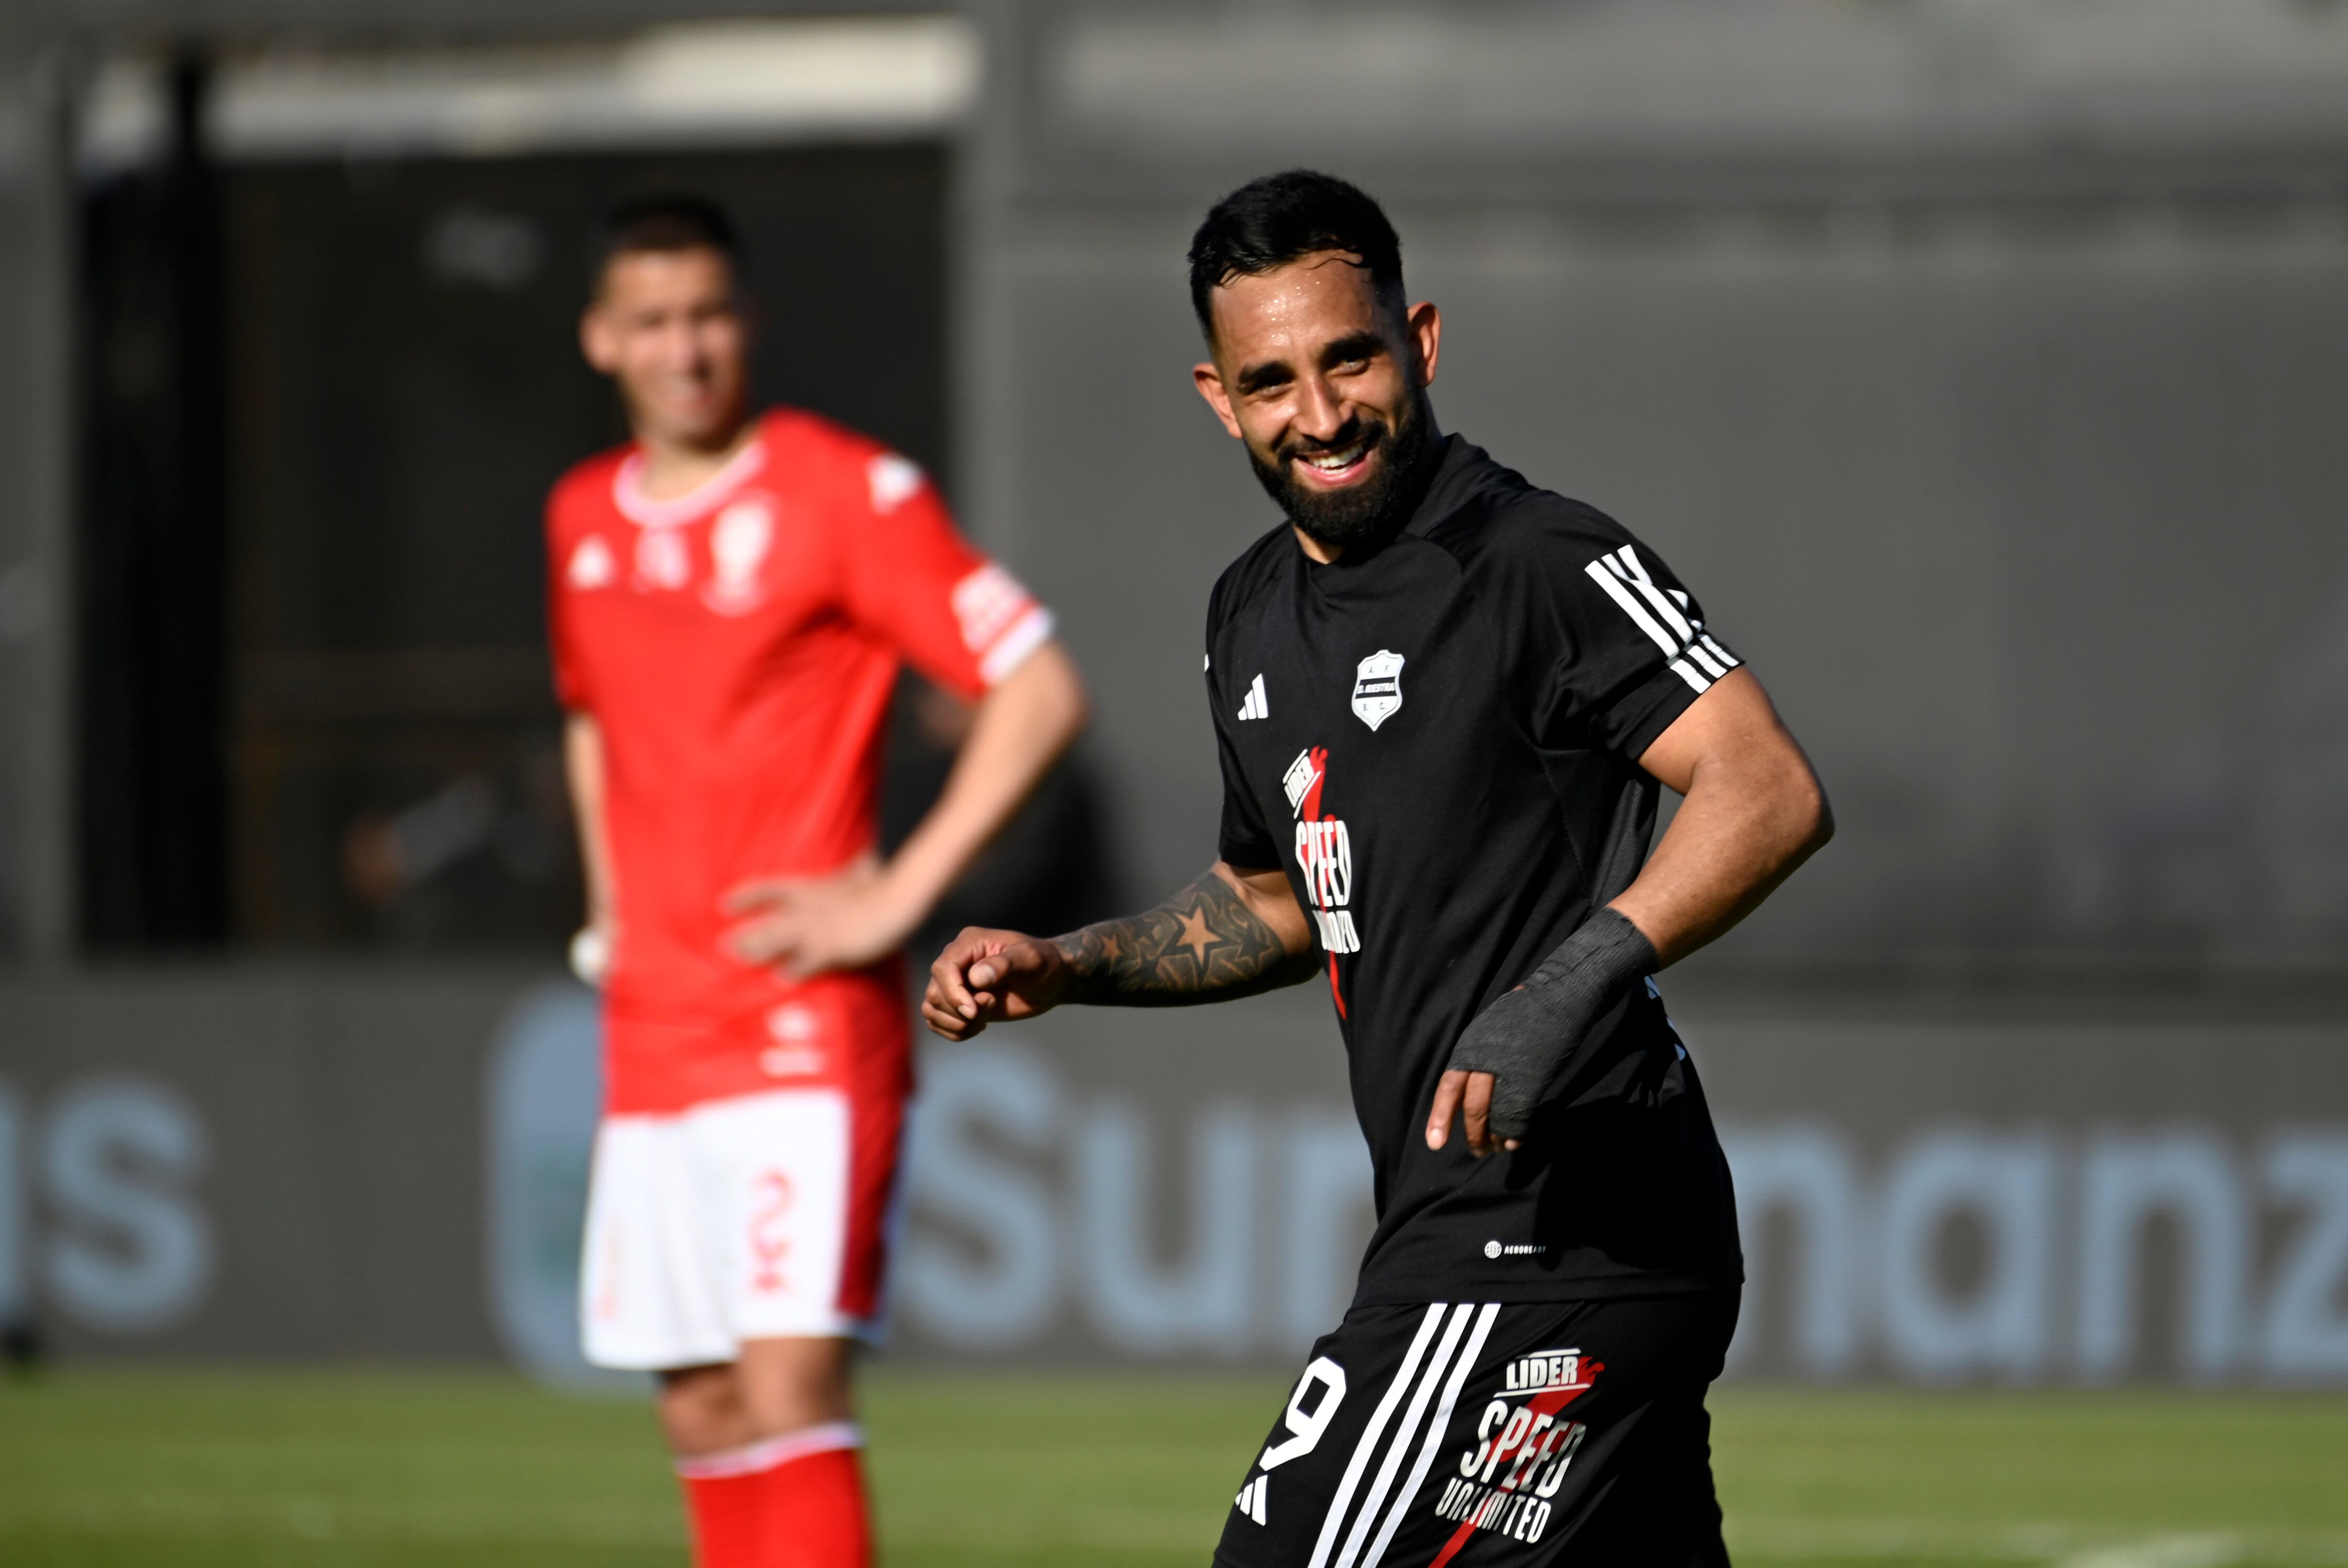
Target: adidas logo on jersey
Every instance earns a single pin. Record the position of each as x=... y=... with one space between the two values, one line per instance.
x=894 y=481
x=1256 y=706
x=592 y=566
x=1251 y=1496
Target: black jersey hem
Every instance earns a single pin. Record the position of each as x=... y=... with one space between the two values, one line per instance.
x=1409 y=1291
x=1248 y=857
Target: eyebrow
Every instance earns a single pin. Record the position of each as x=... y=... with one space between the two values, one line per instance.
x=1364 y=345
x=1360 y=345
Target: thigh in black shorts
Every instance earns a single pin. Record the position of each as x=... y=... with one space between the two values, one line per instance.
x=1571 y=1434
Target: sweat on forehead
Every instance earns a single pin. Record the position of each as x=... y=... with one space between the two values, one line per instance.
x=1329 y=276
x=1304 y=306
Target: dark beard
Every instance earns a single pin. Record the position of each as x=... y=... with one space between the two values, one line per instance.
x=1366 y=513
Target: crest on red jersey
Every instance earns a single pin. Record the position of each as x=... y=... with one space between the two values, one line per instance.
x=739 y=541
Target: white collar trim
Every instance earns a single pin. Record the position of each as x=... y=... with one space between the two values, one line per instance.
x=668 y=511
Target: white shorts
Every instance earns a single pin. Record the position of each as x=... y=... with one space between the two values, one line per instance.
x=755 y=1217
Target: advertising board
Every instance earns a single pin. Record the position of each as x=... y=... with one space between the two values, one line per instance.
x=355 y=1164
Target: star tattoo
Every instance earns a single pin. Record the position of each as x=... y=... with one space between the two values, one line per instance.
x=1202 y=945
x=1197 y=937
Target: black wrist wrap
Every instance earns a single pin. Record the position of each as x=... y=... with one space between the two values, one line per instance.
x=1529 y=1036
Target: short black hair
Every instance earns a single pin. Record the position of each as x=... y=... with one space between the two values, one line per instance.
x=663 y=221
x=1277 y=219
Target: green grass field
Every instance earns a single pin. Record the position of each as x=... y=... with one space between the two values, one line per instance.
x=176 y=1468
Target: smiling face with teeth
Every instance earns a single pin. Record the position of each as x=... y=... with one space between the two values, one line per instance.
x=1326 y=384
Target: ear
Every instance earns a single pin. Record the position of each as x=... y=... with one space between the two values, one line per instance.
x=1209 y=383
x=597 y=341
x=1425 y=324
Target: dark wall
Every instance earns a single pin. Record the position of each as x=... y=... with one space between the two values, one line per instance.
x=399 y=387
x=153 y=553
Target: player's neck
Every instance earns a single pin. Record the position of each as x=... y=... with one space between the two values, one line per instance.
x=672 y=467
x=1322 y=552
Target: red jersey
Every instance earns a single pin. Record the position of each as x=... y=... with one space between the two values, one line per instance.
x=737 y=646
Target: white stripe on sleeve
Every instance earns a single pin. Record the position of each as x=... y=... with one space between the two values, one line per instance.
x=1598 y=573
x=1027 y=634
x=1636 y=572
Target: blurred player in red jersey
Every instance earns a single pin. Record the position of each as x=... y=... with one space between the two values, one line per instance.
x=732 y=596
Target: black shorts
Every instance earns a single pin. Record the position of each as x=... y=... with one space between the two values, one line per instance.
x=1467 y=1434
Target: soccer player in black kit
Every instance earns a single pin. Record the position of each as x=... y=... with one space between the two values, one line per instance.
x=1445 y=701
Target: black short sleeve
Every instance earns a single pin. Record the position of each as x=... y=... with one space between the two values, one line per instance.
x=1618 y=648
x=1244 y=841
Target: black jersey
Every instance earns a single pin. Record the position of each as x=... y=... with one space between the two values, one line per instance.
x=1437 y=740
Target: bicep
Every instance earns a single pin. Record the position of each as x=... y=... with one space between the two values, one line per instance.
x=1734 y=730
x=1048 y=690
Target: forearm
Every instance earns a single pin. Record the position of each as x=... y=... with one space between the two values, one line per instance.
x=1023 y=727
x=1751 y=811
x=1734 y=840
x=582 y=767
x=1210 y=943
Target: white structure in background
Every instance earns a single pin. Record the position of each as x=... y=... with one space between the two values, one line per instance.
x=699 y=84
x=1942 y=75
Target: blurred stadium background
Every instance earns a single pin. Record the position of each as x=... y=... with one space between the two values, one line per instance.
x=1984 y=362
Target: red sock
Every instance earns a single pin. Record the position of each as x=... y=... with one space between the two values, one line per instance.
x=815 y=1513
x=727 y=1516
x=792 y=1501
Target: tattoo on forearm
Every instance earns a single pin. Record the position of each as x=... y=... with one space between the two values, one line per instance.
x=1203 y=944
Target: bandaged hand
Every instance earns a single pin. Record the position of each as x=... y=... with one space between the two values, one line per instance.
x=1528 y=1038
